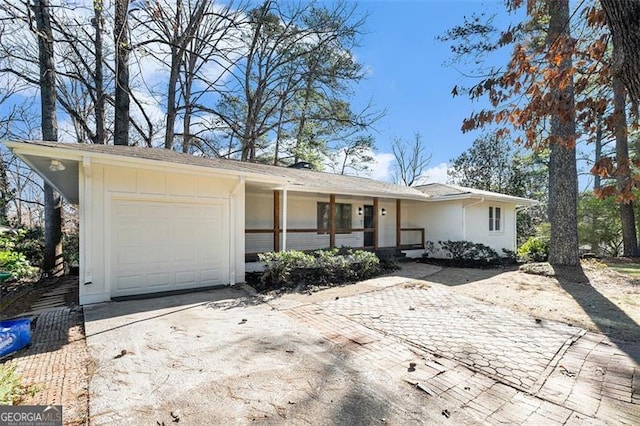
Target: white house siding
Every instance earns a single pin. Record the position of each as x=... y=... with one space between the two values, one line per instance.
x=477 y=226
x=107 y=189
x=302 y=214
x=387 y=223
x=442 y=220
x=448 y=220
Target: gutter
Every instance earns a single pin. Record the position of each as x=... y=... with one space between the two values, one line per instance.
x=515 y=225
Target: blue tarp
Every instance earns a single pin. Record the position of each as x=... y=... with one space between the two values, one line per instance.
x=14 y=335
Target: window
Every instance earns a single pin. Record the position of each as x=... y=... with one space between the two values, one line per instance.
x=343 y=218
x=494 y=219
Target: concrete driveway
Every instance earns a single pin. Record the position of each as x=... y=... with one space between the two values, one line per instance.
x=345 y=356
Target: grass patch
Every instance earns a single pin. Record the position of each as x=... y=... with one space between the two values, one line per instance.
x=628 y=268
x=10 y=389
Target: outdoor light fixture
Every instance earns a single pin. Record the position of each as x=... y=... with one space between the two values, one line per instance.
x=359 y=211
x=56 y=166
x=383 y=212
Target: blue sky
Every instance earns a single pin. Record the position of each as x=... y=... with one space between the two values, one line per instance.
x=408 y=75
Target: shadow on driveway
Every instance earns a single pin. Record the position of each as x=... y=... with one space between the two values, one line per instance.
x=223 y=298
x=609 y=318
x=460 y=276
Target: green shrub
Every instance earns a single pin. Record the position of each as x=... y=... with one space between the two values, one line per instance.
x=279 y=266
x=509 y=256
x=292 y=268
x=467 y=251
x=71 y=249
x=362 y=264
x=30 y=242
x=16 y=264
x=13 y=261
x=534 y=250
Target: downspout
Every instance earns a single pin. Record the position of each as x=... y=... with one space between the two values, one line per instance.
x=464 y=216
x=86 y=222
x=515 y=225
x=285 y=197
x=232 y=231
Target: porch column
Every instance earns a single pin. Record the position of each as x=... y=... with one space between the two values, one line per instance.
x=332 y=221
x=376 y=214
x=276 y=220
x=284 y=219
x=398 y=223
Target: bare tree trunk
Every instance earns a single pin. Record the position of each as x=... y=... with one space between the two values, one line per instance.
x=186 y=133
x=180 y=43
x=121 y=38
x=171 y=101
x=174 y=73
x=597 y=181
x=253 y=98
x=627 y=216
x=563 y=174
x=624 y=22
x=188 y=106
x=279 y=132
x=53 y=263
x=100 y=97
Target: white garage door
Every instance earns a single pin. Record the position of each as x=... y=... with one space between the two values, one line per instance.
x=164 y=246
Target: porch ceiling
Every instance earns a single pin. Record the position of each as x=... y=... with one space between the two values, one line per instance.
x=64 y=181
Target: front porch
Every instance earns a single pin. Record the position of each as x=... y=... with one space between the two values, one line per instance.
x=279 y=220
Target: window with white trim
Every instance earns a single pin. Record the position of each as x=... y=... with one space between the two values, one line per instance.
x=495 y=217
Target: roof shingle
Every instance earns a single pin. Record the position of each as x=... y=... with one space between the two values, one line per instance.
x=299 y=178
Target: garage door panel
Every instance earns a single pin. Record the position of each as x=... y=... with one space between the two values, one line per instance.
x=129 y=236
x=159 y=279
x=155 y=211
x=130 y=282
x=211 y=275
x=159 y=246
x=185 y=254
x=127 y=210
x=186 y=212
x=185 y=277
x=185 y=234
x=156 y=255
x=210 y=255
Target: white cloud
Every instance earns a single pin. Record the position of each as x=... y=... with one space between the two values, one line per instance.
x=436 y=174
x=381 y=169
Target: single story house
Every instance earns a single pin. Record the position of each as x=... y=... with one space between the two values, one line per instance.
x=154 y=220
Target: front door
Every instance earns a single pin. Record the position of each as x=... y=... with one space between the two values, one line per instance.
x=368 y=226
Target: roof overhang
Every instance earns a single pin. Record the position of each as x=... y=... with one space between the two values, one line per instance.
x=361 y=193
x=40 y=157
x=499 y=198
x=65 y=181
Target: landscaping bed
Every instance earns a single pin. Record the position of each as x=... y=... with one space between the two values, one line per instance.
x=308 y=272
